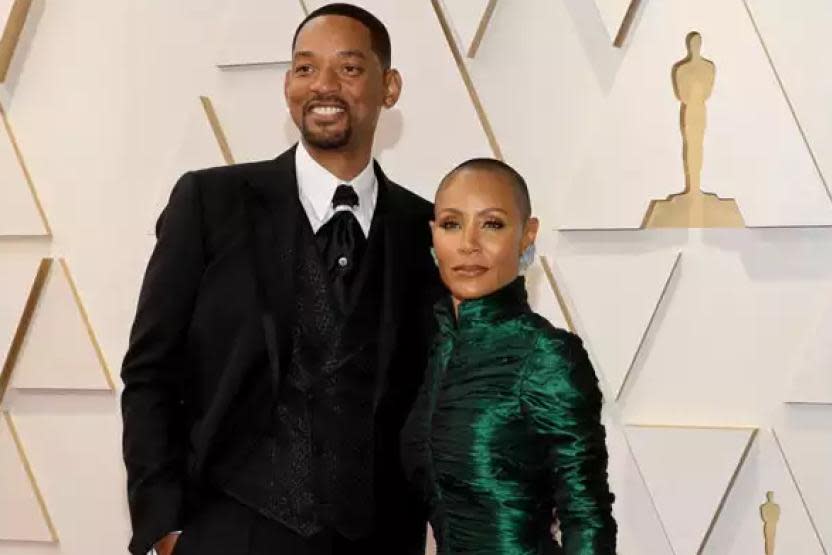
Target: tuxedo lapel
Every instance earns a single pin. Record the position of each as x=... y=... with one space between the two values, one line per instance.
x=273 y=211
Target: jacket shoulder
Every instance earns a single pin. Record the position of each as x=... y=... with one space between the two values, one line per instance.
x=409 y=202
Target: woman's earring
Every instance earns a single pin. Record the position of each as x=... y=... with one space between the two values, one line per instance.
x=527 y=258
x=433 y=255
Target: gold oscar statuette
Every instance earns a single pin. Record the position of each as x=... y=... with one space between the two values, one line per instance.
x=693 y=81
x=770 y=513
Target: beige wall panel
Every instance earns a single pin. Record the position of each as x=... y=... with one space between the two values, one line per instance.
x=739 y=530
x=541 y=78
x=469 y=20
x=19 y=210
x=73 y=444
x=258 y=31
x=688 y=472
x=613 y=299
x=812 y=379
x=753 y=149
x=639 y=528
x=807 y=448
x=59 y=350
x=22 y=515
x=250 y=105
x=542 y=296
x=197 y=148
x=722 y=351
x=795 y=34
x=613 y=13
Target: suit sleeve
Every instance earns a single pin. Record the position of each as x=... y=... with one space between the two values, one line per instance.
x=563 y=403
x=153 y=371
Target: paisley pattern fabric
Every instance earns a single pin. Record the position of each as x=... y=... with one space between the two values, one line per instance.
x=507 y=429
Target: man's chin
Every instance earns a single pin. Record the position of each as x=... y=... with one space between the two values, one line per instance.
x=326 y=142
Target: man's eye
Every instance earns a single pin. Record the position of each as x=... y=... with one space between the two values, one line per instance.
x=303 y=69
x=493 y=224
x=352 y=70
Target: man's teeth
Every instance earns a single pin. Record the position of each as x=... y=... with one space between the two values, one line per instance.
x=327 y=110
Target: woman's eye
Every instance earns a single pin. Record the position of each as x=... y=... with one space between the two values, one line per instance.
x=493 y=224
x=449 y=224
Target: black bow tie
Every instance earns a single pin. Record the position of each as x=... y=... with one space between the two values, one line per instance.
x=345 y=196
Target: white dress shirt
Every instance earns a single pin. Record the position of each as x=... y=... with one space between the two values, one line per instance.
x=317 y=185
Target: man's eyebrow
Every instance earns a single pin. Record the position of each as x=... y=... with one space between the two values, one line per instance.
x=303 y=54
x=352 y=53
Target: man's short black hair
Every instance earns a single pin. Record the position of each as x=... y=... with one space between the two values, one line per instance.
x=521 y=189
x=379 y=37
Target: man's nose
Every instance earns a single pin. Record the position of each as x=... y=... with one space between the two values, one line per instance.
x=326 y=82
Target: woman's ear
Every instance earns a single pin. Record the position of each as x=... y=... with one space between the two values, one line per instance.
x=432 y=225
x=529 y=233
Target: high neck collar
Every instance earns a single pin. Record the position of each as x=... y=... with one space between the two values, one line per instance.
x=503 y=304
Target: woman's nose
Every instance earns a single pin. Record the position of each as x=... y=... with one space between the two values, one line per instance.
x=470 y=240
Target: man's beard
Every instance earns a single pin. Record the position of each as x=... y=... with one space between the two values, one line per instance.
x=325 y=140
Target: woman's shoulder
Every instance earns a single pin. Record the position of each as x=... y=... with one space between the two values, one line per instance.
x=546 y=337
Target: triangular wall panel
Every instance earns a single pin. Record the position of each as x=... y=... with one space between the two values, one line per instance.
x=258 y=32
x=21 y=282
x=807 y=450
x=59 y=350
x=20 y=210
x=812 y=379
x=614 y=298
x=23 y=514
x=688 y=472
x=203 y=145
x=753 y=150
x=739 y=529
x=543 y=295
x=639 y=527
x=614 y=14
x=469 y=20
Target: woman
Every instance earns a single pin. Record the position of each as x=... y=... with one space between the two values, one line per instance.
x=507 y=426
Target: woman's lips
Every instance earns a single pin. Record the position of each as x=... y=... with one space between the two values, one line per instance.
x=469 y=270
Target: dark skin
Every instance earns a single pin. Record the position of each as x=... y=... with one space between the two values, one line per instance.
x=335 y=91
x=479 y=233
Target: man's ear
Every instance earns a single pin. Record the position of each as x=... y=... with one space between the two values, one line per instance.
x=392 y=87
x=286 y=77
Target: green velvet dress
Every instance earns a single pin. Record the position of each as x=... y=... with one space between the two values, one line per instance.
x=507 y=428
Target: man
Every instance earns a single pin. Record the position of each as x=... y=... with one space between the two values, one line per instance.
x=279 y=339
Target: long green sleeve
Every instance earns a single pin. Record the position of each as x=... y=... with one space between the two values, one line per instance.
x=507 y=429
x=561 y=397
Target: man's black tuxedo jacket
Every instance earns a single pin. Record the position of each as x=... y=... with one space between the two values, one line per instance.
x=213 y=312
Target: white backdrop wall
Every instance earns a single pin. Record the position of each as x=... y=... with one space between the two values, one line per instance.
x=712 y=345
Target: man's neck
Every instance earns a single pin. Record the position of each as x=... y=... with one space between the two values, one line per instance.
x=343 y=164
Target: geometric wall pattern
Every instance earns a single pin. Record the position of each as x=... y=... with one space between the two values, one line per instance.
x=711 y=345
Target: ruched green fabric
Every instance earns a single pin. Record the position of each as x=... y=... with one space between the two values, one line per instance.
x=507 y=428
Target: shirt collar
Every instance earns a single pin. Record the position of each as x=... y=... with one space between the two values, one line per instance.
x=318 y=185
